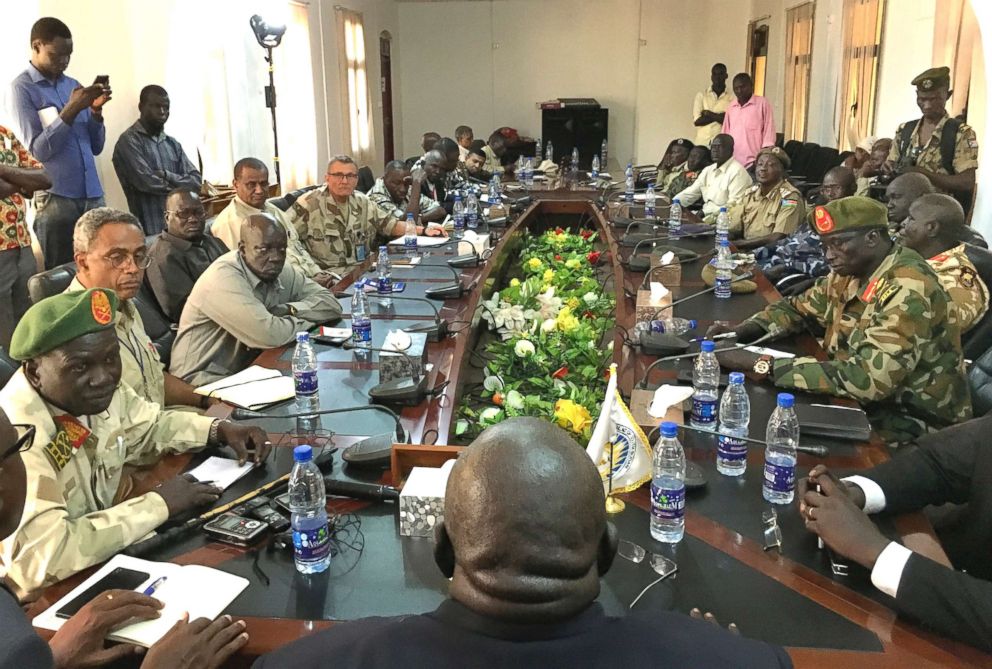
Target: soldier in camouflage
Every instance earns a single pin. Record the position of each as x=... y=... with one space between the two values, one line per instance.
x=888 y=337
x=769 y=210
x=88 y=426
x=699 y=157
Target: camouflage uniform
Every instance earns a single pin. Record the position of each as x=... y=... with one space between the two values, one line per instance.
x=380 y=196
x=72 y=518
x=759 y=215
x=969 y=294
x=927 y=157
x=889 y=343
x=680 y=182
x=801 y=252
x=339 y=237
x=663 y=182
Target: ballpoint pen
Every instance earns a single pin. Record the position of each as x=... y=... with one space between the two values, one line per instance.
x=150 y=590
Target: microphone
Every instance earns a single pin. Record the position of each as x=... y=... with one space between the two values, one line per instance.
x=435 y=332
x=246 y=414
x=820 y=451
x=470 y=259
x=356 y=490
x=643 y=383
x=701 y=292
x=645 y=280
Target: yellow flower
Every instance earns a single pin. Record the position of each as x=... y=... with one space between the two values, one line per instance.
x=572 y=263
x=514 y=282
x=566 y=321
x=573 y=302
x=534 y=263
x=548 y=275
x=572 y=416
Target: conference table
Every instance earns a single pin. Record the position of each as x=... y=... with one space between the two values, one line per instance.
x=789 y=596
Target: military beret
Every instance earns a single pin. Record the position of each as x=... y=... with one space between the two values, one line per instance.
x=777 y=152
x=681 y=142
x=850 y=213
x=935 y=77
x=61 y=318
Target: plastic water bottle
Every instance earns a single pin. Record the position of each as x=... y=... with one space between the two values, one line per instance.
x=782 y=436
x=410 y=237
x=575 y=159
x=472 y=210
x=673 y=326
x=308 y=508
x=458 y=213
x=735 y=414
x=529 y=173
x=668 y=487
x=603 y=155
x=675 y=219
x=724 y=270
x=594 y=172
x=385 y=271
x=650 y=200
x=549 y=152
x=361 y=324
x=722 y=227
x=628 y=194
x=305 y=374
x=706 y=385
x=537 y=151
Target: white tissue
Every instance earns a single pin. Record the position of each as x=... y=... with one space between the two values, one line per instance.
x=658 y=292
x=666 y=397
x=397 y=340
x=667 y=258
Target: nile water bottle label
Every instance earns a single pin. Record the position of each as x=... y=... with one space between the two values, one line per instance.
x=780 y=478
x=312 y=545
x=385 y=285
x=730 y=449
x=361 y=332
x=305 y=383
x=703 y=411
x=667 y=503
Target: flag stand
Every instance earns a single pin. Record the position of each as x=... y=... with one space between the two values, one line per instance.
x=613 y=504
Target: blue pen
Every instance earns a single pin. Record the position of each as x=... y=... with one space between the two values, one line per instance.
x=150 y=590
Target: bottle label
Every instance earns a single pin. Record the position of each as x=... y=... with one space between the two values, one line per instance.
x=703 y=411
x=385 y=286
x=780 y=478
x=361 y=333
x=472 y=220
x=312 y=545
x=722 y=287
x=460 y=221
x=305 y=382
x=730 y=449
x=666 y=503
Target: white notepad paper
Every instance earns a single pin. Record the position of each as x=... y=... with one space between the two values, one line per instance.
x=252 y=388
x=222 y=471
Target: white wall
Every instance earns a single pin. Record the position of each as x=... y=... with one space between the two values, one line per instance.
x=907 y=50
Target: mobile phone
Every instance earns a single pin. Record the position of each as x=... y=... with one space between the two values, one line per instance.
x=118 y=579
x=283 y=502
x=399 y=286
x=102 y=79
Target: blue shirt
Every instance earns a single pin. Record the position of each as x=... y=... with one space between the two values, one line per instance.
x=65 y=151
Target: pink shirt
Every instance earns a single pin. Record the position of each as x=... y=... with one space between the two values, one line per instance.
x=752 y=127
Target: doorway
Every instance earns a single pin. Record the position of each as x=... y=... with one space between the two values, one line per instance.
x=757 y=53
x=386 y=89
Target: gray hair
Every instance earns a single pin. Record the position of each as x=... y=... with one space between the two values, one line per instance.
x=347 y=160
x=89 y=224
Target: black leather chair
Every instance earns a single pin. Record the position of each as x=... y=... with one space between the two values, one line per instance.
x=978 y=339
x=792 y=148
x=980 y=380
x=284 y=202
x=51 y=282
x=7 y=366
x=974 y=237
x=366 y=180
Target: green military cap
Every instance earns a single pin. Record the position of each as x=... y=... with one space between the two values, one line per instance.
x=935 y=77
x=61 y=318
x=850 y=213
x=777 y=152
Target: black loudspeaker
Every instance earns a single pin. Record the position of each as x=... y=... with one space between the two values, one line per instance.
x=575 y=127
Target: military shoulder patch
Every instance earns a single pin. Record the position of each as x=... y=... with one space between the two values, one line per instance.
x=967 y=277
x=886 y=293
x=70 y=434
x=789 y=202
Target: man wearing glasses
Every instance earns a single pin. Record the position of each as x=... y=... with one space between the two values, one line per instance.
x=110 y=253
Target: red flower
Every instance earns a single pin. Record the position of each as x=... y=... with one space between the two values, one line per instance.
x=557 y=257
x=498 y=399
x=560 y=373
x=593 y=257
x=560 y=231
x=588 y=314
x=586 y=234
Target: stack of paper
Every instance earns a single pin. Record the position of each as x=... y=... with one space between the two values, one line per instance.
x=220 y=472
x=253 y=388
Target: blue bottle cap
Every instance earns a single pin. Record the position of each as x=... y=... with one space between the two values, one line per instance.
x=302 y=336
x=723 y=209
x=692 y=324
x=384 y=249
x=677 y=201
x=669 y=429
x=737 y=377
x=302 y=453
x=786 y=400
x=725 y=242
x=708 y=346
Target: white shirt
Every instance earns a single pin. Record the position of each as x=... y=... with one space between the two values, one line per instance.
x=462 y=153
x=891 y=562
x=718 y=185
x=715 y=103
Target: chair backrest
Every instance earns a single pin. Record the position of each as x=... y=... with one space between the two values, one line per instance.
x=979 y=338
x=284 y=202
x=824 y=158
x=980 y=381
x=51 y=282
x=792 y=148
x=801 y=164
x=366 y=180
x=7 y=367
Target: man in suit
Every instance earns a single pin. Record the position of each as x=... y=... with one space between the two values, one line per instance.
x=953 y=465
x=525 y=541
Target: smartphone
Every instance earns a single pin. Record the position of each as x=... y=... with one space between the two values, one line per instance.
x=118 y=579
x=283 y=502
x=102 y=79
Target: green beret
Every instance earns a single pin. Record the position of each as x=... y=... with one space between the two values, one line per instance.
x=850 y=213
x=61 y=318
x=935 y=77
x=777 y=152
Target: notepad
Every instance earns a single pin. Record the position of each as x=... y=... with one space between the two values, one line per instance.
x=253 y=388
x=202 y=591
x=223 y=472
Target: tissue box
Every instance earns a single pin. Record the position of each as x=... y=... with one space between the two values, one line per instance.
x=647 y=308
x=422 y=501
x=670 y=275
x=410 y=363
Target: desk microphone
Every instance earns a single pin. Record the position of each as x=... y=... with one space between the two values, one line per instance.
x=470 y=259
x=435 y=332
x=403 y=391
x=643 y=383
x=357 y=490
x=743 y=277
x=820 y=451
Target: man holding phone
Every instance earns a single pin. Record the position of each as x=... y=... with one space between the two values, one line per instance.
x=61 y=122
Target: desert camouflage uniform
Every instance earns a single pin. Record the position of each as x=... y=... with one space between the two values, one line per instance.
x=339 y=236
x=889 y=343
x=72 y=518
x=380 y=196
x=759 y=215
x=928 y=156
x=969 y=294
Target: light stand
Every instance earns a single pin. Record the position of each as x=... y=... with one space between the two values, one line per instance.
x=269 y=36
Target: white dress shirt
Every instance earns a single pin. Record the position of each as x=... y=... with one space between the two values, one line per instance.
x=718 y=185
x=891 y=562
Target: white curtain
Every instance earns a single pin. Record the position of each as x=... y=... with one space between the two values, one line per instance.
x=296 y=112
x=355 y=95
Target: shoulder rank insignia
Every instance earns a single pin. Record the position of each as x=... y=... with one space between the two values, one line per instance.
x=70 y=434
x=871 y=289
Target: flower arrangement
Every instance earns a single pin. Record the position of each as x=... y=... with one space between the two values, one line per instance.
x=550 y=359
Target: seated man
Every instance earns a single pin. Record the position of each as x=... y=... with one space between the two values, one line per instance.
x=111 y=254
x=456 y=175
x=873 y=166
x=247 y=301
x=495 y=149
x=699 y=158
x=889 y=341
x=251 y=187
x=525 y=545
x=672 y=165
x=934 y=229
x=769 y=210
x=150 y=163
x=464 y=137
x=88 y=425
x=950 y=466
x=475 y=164
x=904 y=190
x=181 y=253
x=723 y=182
x=391 y=193
x=433 y=186
x=801 y=252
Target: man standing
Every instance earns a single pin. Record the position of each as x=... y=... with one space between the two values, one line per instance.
x=709 y=106
x=749 y=121
x=181 y=253
x=149 y=163
x=392 y=192
x=61 y=123
x=769 y=210
x=20 y=176
x=247 y=301
x=718 y=184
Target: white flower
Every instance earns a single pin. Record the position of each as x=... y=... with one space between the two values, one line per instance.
x=492 y=383
x=514 y=400
x=549 y=325
x=591 y=344
x=490 y=415
x=590 y=298
x=550 y=305
x=524 y=348
x=609 y=347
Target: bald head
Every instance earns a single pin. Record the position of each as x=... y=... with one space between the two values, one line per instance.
x=903 y=191
x=935 y=224
x=263 y=246
x=838 y=182
x=524 y=515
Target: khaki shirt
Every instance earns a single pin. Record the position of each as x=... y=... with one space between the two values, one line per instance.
x=928 y=153
x=969 y=294
x=666 y=176
x=338 y=236
x=227 y=228
x=141 y=367
x=72 y=515
x=781 y=210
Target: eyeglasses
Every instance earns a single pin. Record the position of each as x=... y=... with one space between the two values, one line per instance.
x=187 y=214
x=25 y=438
x=141 y=259
x=344 y=176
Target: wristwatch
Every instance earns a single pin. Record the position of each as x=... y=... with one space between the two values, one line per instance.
x=213 y=437
x=763 y=365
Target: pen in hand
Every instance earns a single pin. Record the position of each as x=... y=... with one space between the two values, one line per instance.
x=150 y=590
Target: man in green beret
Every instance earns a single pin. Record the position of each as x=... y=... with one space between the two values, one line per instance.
x=889 y=339
x=88 y=426
x=941 y=148
x=771 y=209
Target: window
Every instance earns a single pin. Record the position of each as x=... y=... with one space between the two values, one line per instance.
x=799 y=50
x=859 y=69
x=757 y=53
x=355 y=88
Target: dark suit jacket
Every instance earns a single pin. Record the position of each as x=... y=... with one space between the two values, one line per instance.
x=953 y=465
x=175 y=266
x=453 y=636
x=20 y=646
